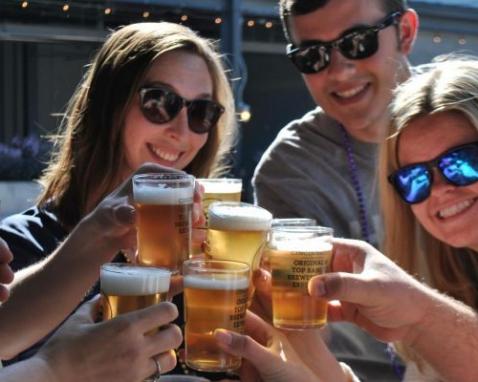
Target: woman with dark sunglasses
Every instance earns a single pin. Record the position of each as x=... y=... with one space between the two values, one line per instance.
x=155 y=93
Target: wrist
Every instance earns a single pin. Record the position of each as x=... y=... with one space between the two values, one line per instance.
x=87 y=242
x=434 y=310
x=42 y=369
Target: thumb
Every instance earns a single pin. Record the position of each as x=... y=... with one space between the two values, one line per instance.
x=245 y=347
x=125 y=215
x=341 y=286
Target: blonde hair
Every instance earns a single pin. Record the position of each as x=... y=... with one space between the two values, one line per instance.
x=89 y=148
x=445 y=86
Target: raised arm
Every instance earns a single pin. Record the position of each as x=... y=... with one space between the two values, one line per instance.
x=393 y=306
x=44 y=294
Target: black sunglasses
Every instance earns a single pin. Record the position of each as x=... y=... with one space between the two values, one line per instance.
x=160 y=106
x=458 y=165
x=355 y=44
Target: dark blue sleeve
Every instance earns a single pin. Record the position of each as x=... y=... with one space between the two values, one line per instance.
x=31 y=236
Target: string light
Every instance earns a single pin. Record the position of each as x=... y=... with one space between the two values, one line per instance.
x=269 y=24
x=145 y=14
x=244 y=112
x=437 y=39
x=462 y=41
x=65 y=8
x=250 y=23
x=218 y=20
x=107 y=11
x=184 y=18
x=25 y=4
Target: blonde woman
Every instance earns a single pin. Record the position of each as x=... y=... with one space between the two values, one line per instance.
x=429 y=200
x=154 y=93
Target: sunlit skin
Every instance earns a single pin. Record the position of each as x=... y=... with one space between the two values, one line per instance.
x=356 y=92
x=171 y=144
x=450 y=214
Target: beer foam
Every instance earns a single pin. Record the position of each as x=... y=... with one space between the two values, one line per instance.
x=215 y=186
x=216 y=282
x=238 y=217
x=146 y=194
x=133 y=280
x=315 y=244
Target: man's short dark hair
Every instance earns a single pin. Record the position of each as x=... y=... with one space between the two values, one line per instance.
x=288 y=8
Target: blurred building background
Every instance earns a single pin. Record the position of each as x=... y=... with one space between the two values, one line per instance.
x=45 y=45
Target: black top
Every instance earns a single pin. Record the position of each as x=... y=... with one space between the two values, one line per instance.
x=33 y=235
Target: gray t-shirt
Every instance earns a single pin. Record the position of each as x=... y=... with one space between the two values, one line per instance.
x=305 y=173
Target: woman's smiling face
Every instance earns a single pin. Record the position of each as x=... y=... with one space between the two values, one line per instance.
x=171 y=144
x=450 y=214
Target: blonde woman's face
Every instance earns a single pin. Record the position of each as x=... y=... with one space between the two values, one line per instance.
x=450 y=214
x=171 y=144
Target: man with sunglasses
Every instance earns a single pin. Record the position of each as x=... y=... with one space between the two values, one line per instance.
x=352 y=54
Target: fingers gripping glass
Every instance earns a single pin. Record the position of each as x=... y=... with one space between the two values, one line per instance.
x=459 y=166
x=161 y=106
x=355 y=44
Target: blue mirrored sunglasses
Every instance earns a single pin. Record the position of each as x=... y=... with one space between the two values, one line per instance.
x=459 y=166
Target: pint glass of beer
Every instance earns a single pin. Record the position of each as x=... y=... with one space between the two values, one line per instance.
x=164 y=203
x=237 y=232
x=126 y=288
x=215 y=297
x=296 y=254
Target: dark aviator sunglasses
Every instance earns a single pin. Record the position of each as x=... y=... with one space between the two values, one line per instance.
x=355 y=44
x=458 y=165
x=160 y=106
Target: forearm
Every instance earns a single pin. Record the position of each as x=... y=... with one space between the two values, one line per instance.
x=33 y=370
x=316 y=355
x=44 y=294
x=448 y=338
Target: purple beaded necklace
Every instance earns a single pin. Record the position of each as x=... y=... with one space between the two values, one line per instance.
x=364 y=222
x=356 y=183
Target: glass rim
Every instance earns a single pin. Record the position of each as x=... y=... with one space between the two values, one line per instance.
x=236 y=204
x=258 y=220
x=284 y=221
x=304 y=229
x=219 y=180
x=203 y=265
x=163 y=176
x=122 y=268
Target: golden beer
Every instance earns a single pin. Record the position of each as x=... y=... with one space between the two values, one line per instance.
x=126 y=288
x=293 y=262
x=285 y=222
x=164 y=219
x=237 y=232
x=215 y=297
x=220 y=190
x=217 y=190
